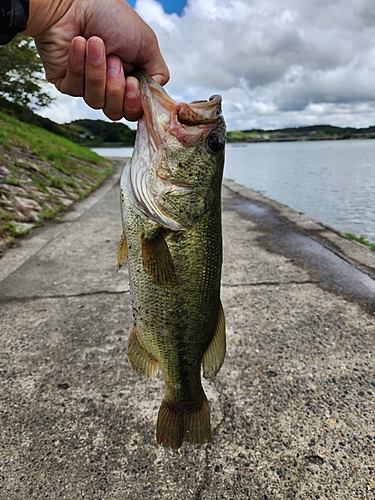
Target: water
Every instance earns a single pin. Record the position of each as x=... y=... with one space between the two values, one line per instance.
x=331 y=181
x=126 y=152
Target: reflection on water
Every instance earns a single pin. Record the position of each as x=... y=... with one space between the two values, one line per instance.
x=331 y=181
x=126 y=152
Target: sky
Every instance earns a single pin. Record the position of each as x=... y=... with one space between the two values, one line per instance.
x=276 y=63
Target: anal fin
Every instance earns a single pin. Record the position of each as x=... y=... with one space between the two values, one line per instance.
x=157 y=261
x=122 y=254
x=139 y=358
x=214 y=355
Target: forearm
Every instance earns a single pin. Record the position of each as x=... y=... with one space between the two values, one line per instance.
x=45 y=13
x=30 y=17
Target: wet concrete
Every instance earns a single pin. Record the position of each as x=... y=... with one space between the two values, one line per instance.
x=307 y=249
x=293 y=409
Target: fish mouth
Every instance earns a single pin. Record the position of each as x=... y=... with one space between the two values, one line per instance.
x=164 y=116
x=163 y=123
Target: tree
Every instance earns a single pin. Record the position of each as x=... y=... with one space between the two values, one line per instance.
x=21 y=74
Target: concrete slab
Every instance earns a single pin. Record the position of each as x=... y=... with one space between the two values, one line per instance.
x=293 y=408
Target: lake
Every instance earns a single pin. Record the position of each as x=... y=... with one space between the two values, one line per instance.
x=331 y=181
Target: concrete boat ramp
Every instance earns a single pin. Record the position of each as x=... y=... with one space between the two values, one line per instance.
x=293 y=408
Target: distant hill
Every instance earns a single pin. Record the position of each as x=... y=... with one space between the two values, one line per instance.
x=84 y=132
x=90 y=132
x=311 y=133
x=93 y=133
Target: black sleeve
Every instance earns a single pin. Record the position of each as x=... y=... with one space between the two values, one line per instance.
x=13 y=18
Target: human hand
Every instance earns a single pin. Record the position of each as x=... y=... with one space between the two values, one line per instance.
x=89 y=48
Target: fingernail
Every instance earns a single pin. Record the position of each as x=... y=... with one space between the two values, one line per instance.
x=131 y=93
x=96 y=51
x=79 y=48
x=131 y=88
x=114 y=65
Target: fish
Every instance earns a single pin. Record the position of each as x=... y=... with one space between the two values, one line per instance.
x=172 y=242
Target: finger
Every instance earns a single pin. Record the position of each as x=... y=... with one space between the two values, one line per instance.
x=95 y=73
x=152 y=61
x=132 y=103
x=115 y=88
x=74 y=81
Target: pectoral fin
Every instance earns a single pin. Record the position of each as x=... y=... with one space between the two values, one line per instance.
x=122 y=254
x=214 y=355
x=139 y=358
x=157 y=261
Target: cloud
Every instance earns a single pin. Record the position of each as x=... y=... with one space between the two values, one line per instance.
x=275 y=63
x=65 y=109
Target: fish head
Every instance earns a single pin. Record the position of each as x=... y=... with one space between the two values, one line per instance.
x=178 y=158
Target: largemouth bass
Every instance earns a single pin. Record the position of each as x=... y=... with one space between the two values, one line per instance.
x=171 y=212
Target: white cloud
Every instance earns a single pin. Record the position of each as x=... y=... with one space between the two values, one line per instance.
x=275 y=63
x=65 y=109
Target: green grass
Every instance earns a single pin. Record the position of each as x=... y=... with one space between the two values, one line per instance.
x=12 y=181
x=56 y=182
x=47 y=146
x=68 y=167
x=360 y=239
x=40 y=184
x=238 y=136
x=47 y=214
x=71 y=183
x=10 y=230
x=58 y=166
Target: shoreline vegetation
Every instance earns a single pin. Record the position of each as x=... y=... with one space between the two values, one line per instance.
x=41 y=176
x=311 y=133
x=87 y=133
x=361 y=239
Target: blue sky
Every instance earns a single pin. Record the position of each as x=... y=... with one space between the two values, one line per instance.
x=276 y=64
x=169 y=6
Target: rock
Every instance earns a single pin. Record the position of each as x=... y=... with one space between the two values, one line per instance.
x=66 y=201
x=55 y=192
x=23 y=227
x=4 y=201
x=4 y=170
x=4 y=244
x=16 y=190
x=27 y=204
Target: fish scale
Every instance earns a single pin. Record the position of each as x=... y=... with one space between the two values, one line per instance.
x=174 y=273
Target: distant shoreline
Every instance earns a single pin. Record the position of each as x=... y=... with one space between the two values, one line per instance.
x=298 y=139
x=308 y=133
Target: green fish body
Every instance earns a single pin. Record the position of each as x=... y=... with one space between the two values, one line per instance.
x=171 y=212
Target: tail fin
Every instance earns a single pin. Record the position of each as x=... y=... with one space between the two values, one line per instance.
x=183 y=423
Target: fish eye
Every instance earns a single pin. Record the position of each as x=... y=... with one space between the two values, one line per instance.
x=216 y=143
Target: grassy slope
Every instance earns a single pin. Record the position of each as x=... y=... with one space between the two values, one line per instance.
x=47 y=169
x=88 y=132
x=43 y=144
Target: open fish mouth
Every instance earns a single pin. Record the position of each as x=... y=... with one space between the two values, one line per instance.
x=164 y=128
x=163 y=117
